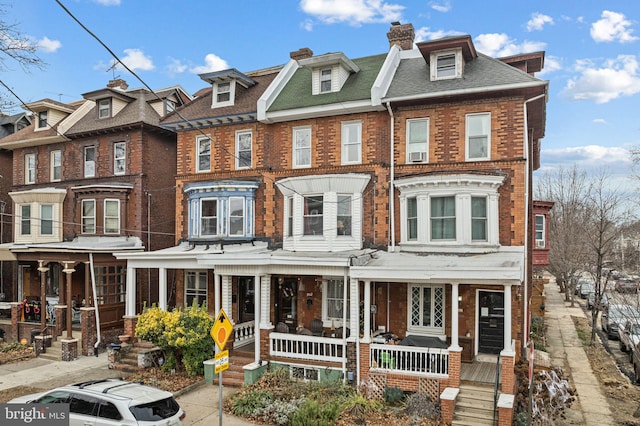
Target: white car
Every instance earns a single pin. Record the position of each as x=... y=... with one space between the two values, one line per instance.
x=110 y=402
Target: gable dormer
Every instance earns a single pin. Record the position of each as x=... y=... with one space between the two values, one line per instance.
x=168 y=99
x=329 y=72
x=224 y=85
x=110 y=100
x=48 y=113
x=447 y=57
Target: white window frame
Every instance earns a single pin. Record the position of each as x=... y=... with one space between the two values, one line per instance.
x=194 y=287
x=412 y=218
x=344 y=215
x=540 y=235
x=349 y=130
x=301 y=145
x=29 y=168
x=25 y=219
x=55 y=158
x=445 y=218
x=414 y=153
x=313 y=217
x=89 y=165
x=438 y=72
x=479 y=220
x=290 y=215
x=336 y=299
x=200 y=155
x=119 y=159
x=46 y=219
x=218 y=92
x=230 y=215
x=433 y=328
x=325 y=76
x=88 y=228
x=216 y=231
x=241 y=139
x=107 y=217
x=104 y=108
x=471 y=135
x=43 y=119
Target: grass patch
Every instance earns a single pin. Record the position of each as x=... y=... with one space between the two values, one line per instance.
x=584 y=333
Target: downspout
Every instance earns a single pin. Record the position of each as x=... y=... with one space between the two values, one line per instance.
x=95 y=303
x=525 y=303
x=345 y=296
x=392 y=216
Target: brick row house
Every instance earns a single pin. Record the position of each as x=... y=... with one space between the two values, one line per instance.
x=365 y=219
x=90 y=178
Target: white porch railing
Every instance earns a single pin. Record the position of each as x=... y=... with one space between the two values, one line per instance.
x=432 y=362
x=244 y=333
x=312 y=348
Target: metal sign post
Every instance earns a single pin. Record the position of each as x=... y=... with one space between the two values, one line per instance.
x=220 y=333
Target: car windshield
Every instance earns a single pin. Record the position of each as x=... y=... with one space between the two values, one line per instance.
x=624 y=311
x=157 y=410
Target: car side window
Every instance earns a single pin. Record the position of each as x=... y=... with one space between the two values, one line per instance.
x=82 y=404
x=107 y=410
x=55 y=397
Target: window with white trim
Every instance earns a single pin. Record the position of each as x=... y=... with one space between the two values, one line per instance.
x=352 y=142
x=209 y=216
x=203 y=148
x=443 y=218
x=243 y=149
x=56 y=165
x=313 y=215
x=29 y=168
x=89 y=161
x=446 y=64
x=412 y=219
x=111 y=216
x=25 y=219
x=46 y=219
x=223 y=94
x=119 y=158
x=417 y=140
x=333 y=299
x=540 y=231
x=302 y=147
x=104 y=108
x=325 y=80
x=427 y=308
x=195 y=288
x=88 y=216
x=478 y=136
x=236 y=216
x=478 y=218
x=345 y=213
x=42 y=120
x=289 y=216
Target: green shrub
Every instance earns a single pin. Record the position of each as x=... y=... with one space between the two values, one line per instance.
x=393 y=395
x=246 y=404
x=316 y=413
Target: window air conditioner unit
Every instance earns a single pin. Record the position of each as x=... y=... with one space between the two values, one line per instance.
x=539 y=243
x=417 y=157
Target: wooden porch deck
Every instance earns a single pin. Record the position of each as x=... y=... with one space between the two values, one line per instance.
x=478 y=372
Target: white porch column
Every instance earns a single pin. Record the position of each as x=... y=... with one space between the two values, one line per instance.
x=367 y=312
x=265 y=302
x=130 y=300
x=226 y=296
x=162 y=289
x=257 y=311
x=354 y=315
x=216 y=292
x=454 y=316
x=507 y=319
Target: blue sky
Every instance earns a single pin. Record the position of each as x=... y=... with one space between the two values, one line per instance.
x=592 y=51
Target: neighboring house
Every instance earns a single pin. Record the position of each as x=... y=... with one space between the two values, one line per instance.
x=541 y=246
x=9 y=124
x=362 y=202
x=89 y=178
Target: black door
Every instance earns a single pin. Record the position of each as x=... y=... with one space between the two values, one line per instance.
x=246 y=293
x=286 y=298
x=491 y=322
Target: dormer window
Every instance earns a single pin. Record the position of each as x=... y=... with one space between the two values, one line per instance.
x=325 y=80
x=42 y=119
x=104 y=108
x=169 y=106
x=224 y=84
x=223 y=93
x=446 y=65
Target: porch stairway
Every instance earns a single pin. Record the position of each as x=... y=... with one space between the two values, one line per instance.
x=474 y=405
x=54 y=352
x=234 y=376
x=128 y=358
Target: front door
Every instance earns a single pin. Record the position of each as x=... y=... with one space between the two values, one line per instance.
x=490 y=322
x=286 y=298
x=246 y=295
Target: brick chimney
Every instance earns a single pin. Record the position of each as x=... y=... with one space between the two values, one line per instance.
x=401 y=35
x=118 y=83
x=303 y=53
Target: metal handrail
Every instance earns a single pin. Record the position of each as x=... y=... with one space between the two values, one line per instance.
x=495 y=389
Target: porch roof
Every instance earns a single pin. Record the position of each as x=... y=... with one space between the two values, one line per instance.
x=503 y=267
x=79 y=244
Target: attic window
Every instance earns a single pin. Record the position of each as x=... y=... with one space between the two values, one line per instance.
x=325 y=80
x=223 y=93
x=104 y=108
x=169 y=106
x=42 y=119
x=446 y=65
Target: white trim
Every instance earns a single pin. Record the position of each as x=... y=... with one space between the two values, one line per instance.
x=239 y=133
x=214 y=95
x=29 y=170
x=487 y=155
x=52 y=165
x=295 y=148
x=198 y=140
x=104 y=216
x=345 y=144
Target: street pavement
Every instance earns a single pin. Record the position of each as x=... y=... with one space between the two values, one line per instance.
x=566 y=351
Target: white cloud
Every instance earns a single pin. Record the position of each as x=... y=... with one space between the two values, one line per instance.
x=307 y=25
x=443 y=7
x=537 y=22
x=612 y=27
x=135 y=59
x=47 y=45
x=212 y=63
x=353 y=12
x=551 y=64
x=500 y=45
x=600 y=121
x=425 y=33
x=108 y=2
x=175 y=66
x=615 y=78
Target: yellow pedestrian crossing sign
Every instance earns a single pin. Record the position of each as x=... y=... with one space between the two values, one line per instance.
x=222 y=329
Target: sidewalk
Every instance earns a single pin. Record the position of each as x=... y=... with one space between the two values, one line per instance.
x=199 y=402
x=567 y=352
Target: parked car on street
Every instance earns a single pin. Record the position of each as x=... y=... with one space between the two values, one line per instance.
x=586 y=288
x=112 y=402
x=629 y=335
x=591 y=300
x=615 y=316
x=579 y=284
x=626 y=285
